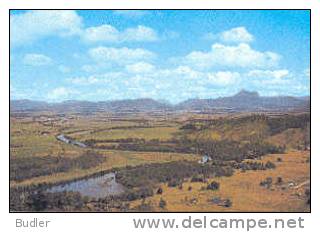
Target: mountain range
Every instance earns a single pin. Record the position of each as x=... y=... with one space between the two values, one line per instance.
x=243 y=101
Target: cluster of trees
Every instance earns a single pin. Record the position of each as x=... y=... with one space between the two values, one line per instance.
x=22 y=168
x=250 y=165
x=41 y=200
x=173 y=173
x=279 y=124
x=267 y=183
x=35 y=198
x=233 y=150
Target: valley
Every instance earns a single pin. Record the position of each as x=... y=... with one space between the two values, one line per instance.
x=174 y=160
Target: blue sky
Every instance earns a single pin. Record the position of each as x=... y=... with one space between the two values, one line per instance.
x=165 y=55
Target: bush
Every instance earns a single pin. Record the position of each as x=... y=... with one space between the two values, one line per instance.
x=267 y=182
x=143 y=192
x=174 y=183
x=162 y=203
x=197 y=178
x=228 y=203
x=270 y=165
x=213 y=186
x=159 y=191
x=279 y=180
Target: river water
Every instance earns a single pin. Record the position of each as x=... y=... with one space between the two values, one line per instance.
x=98 y=187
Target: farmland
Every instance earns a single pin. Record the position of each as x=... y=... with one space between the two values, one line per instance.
x=158 y=158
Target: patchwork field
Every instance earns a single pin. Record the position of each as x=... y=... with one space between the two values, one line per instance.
x=254 y=162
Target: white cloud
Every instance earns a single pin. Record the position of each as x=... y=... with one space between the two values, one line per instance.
x=120 y=55
x=32 y=25
x=60 y=93
x=269 y=73
x=140 y=33
x=241 y=55
x=131 y=13
x=33 y=59
x=215 y=78
x=108 y=33
x=89 y=68
x=307 y=72
x=96 y=79
x=101 y=33
x=236 y=35
x=224 y=78
x=140 y=67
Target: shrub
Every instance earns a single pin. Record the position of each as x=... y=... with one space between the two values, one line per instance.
x=159 y=191
x=228 y=203
x=174 y=183
x=162 y=203
x=267 y=182
x=270 y=165
x=279 y=180
x=197 y=178
x=213 y=186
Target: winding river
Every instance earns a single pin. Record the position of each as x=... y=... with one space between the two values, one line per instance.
x=97 y=186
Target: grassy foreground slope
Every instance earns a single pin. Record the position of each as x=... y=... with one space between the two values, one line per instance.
x=244 y=190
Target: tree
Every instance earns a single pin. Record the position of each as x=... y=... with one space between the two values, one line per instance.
x=159 y=191
x=162 y=203
x=213 y=186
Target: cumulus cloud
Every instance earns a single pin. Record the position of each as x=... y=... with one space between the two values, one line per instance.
x=236 y=35
x=33 y=59
x=306 y=72
x=224 y=78
x=142 y=73
x=108 y=33
x=122 y=55
x=61 y=93
x=140 y=67
x=242 y=56
x=269 y=73
x=96 y=79
x=32 y=25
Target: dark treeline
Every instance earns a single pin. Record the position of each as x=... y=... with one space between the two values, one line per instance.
x=279 y=124
x=28 y=167
x=149 y=174
x=276 y=124
x=234 y=150
x=219 y=150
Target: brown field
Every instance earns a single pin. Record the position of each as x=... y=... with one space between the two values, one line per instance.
x=244 y=190
x=153 y=140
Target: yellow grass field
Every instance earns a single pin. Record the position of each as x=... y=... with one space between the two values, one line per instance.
x=244 y=191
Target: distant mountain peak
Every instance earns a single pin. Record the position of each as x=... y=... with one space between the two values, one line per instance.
x=246 y=93
x=243 y=101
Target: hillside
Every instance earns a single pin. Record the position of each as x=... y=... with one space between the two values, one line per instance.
x=243 y=101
